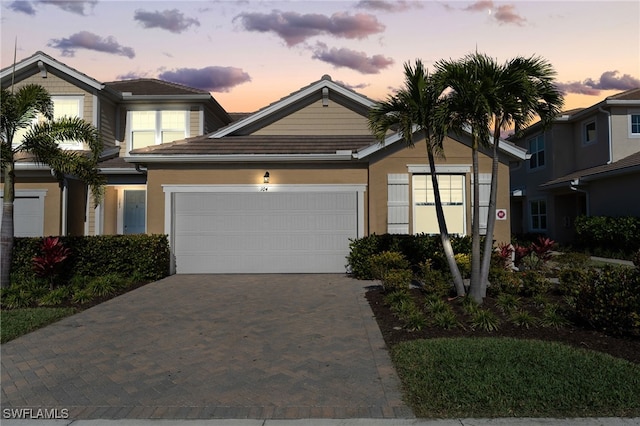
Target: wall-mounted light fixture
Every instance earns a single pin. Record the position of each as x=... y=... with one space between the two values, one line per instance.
x=266 y=177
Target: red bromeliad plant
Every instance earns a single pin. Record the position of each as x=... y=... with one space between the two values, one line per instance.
x=543 y=247
x=53 y=253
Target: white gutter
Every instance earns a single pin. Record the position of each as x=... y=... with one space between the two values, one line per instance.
x=158 y=158
x=65 y=202
x=610 y=136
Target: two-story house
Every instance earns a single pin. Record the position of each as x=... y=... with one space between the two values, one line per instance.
x=586 y=163
x=128 y=114
x=283 y=189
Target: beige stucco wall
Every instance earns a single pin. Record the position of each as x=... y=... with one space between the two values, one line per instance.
x=242 y=175
x=316 y=119
x=398 y=158
x=623 y=144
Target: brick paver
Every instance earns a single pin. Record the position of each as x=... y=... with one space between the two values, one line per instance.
x=212 y=346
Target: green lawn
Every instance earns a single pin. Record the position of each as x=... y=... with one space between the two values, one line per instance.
x=16 y=322
x=500 y=377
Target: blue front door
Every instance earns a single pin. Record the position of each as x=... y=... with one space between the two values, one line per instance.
x=134 y=211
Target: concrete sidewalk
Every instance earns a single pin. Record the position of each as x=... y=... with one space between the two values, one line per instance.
x=604 y=421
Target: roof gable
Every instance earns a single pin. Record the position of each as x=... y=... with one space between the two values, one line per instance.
x=323 y=89
x=43 y=63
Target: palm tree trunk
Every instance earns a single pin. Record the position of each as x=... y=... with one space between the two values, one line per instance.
x=444 y=233
x=491 y=215
x=6 y=228
x=475 y=288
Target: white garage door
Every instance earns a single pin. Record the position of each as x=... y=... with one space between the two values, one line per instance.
x=28 y=214
x=264 y=232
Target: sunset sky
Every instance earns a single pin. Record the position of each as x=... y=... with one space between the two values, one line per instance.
x=251 y=53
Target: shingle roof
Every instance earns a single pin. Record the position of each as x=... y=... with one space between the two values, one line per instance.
x=628 y=95
x=260 y=144
x=152 y=86
x=632 y=161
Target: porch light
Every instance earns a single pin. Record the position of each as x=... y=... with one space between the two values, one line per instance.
x=266 y=177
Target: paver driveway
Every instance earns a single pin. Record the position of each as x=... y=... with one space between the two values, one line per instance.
x=212 y=346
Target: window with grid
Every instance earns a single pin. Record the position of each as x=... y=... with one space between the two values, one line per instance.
x=538 y=210
x=452 y=195
x=157 y=127
x=536 y=149
x=63 y=106
x=635 y=124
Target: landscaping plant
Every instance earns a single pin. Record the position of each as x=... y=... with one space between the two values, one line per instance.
x=49 y=263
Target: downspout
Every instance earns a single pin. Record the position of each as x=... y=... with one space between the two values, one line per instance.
x=574 y=186
x=609 y=131
x=64 y=207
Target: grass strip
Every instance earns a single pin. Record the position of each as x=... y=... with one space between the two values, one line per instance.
x=16 y=322
x=504 y=377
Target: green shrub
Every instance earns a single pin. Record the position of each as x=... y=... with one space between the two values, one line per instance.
x=463 y=261
x=608 y=236
x=552 y=317
x=484 y=319
x=446 y=320
x=381 y=263
x=533 y=282
x=435 y=306
x=608 y=298
x=143 y=256
x=523 y=318
x=433 y=280
x=570 y=279
x=397 y=296
x=397 y=279
x=415 y=248
x=82 y=296
x=503 y=281
x=414 y=320
x=105 y=285
x=56 y=296
x=508 y=302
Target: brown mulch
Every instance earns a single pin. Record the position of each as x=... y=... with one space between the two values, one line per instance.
x=626 y=347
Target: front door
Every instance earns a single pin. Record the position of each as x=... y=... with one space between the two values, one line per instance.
x=134 y=211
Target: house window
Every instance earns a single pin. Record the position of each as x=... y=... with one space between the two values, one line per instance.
x=157 y=127
x=538 y=209
x=63 y=106
x=536 y=148
x=589 y=133
x=634 y=121
x=424 y=210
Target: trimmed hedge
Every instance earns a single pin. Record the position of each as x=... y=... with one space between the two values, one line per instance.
x=604 y=235
x=145 y=257
x=415 y=248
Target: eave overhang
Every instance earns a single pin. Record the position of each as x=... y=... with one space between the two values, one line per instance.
x=239 y=158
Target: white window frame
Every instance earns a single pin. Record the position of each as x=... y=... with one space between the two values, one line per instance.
x=462 y=204
x=546 y=215
x=158 y=124
x=536 y=154
x=67 y=145
x=585 y=132
x=632 y=113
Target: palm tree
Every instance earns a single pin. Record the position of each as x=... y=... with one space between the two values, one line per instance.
x=19 y=112
x=465 y=108
x=485 y=95
x=411 y=110
x=525 y=89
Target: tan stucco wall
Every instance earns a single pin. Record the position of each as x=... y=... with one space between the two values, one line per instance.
x=242 y=175
x=396 y=161
x=110 y=212
x=316 y=119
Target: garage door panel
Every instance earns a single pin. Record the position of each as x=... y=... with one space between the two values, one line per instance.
x=263 y=232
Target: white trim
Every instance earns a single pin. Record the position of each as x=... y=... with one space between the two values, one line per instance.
x=207 y=158
x=440 y=168
x=274 y=108
x=54 y=64
x=171 y=190
x=98 y=227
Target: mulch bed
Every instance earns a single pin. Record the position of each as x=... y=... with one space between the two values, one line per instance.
x=627 y=347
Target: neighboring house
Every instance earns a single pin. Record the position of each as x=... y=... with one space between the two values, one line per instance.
x=128 y=114
x=284 y=189
x=586 y=163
